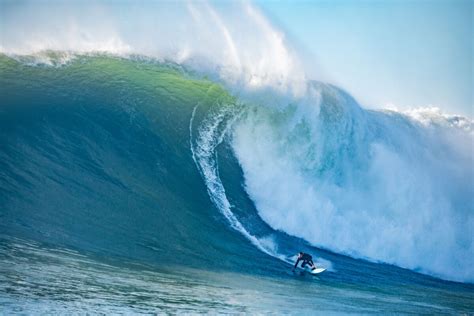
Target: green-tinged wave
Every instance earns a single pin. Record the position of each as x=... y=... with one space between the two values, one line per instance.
x=96 y=156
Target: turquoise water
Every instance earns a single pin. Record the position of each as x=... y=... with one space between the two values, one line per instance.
x=126 y=186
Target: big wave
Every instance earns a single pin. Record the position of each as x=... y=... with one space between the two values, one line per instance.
x=388 y=186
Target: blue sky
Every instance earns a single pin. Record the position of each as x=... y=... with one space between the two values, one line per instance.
x=405 y=53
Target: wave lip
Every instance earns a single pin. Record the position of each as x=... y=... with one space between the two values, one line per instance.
x=242 y=48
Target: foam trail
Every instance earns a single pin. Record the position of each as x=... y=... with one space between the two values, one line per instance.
x=211 y=133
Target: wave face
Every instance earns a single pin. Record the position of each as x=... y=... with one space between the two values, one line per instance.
x=95 y=156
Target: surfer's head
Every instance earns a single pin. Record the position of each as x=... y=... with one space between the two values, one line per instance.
x=300 y=254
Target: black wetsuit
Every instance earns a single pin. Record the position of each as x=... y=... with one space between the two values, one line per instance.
x=307 y=259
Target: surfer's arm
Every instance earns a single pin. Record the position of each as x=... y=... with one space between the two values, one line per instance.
x=296 y=264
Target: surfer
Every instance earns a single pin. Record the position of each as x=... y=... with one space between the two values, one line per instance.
x=307 y=260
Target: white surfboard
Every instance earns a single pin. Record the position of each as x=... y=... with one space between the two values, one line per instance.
x=317 y=270
x=313 y=271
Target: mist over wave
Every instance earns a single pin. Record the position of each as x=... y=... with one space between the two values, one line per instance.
x=241 y=46
x=386 y=186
